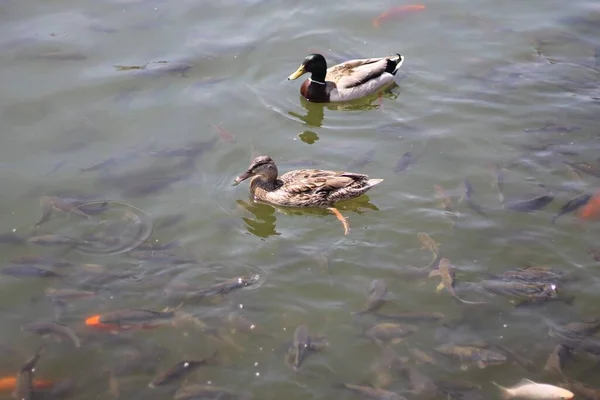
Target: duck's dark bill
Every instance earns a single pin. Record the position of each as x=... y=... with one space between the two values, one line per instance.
x=299 y=72
x=242 y=178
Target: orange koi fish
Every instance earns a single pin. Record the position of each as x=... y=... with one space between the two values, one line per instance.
x=9 y=384
x=395 y=11
x=591 y=210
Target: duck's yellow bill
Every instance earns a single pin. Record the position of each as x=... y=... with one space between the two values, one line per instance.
x=299 y=72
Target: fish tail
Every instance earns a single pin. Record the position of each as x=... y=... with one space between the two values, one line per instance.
x=213 y=358
x=504 y=393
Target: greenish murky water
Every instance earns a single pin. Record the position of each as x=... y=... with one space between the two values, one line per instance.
x=486 y=83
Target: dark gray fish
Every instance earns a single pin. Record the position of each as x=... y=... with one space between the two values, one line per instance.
x=300 y=346
x=413 y=316
x=586 y=168
x=24 y=387
x=55 y=240
x=220 y=289
x=468 y=188
x=41 y=260
x=50 y=204
x=389 y=332
x=197 y=392
x=404 y=162
x=554 y=128
x=156 y=246
x=529 y=205
x=587 y=392
x=168 y=221
x=362 y=161
x=62 y=296
x=11 y=238
x=28 y=270
x=377 y=294
x=45 y=328
x=179 y=370
x=194 y=150
x=371 y=392
x=497 y=170
x=482 y=357
x=556 y=360
x=594 y=252
x=573 y=205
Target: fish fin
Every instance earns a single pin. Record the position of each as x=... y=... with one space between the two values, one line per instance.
x=526 y=381
x=439 y=287
x=213 y=358
x=504 y=393
x=435 y=272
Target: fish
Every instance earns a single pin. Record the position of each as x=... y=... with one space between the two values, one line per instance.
x=396 y=11
x=41 y=260
x=415 y=316
x=533 y=204
x=556 y=360
x=447 y=275
x=468 y=197
x=27 y=270
x=240 y=323
x=421 y=385
x=9 y=384
x=24 y=389
x=131 y=319
x=168 y=221
x=591 y=210
x=579 y=389
x=50 y=204
x=198 y=391
x=445 y=201
x=572 y=205
x=179 y=370
x=499 y=183
x=300 y=346
x=421 y=357
x=223 y=288
x=585 y=168
x=377 y=294
x=156 y=246
x=389 y=332
x=428 y=243
x=404 y=162
x=521 y=289
x=584 y=328
x=410 y=272
x=11 y=238
x=371 y=392
x=64 y=295
x=527 y=389
x=594 y=252
x=45 y=328
x=533 y=274
x=482 y=357
x=387 y=366
x=55 y=240
x=224 y=135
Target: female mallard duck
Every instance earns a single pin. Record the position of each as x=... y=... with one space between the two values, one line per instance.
x=304 y=187
x=349 y=80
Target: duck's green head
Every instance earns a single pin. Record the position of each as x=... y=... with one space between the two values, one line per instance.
x=312 y=63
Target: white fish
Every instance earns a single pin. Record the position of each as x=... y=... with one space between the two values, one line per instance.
x=527 y=389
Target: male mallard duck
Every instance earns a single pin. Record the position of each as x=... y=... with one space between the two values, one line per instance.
x=346 y=81
x=304 y=187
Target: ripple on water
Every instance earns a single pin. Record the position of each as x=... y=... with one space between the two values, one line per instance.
x=107 y=237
